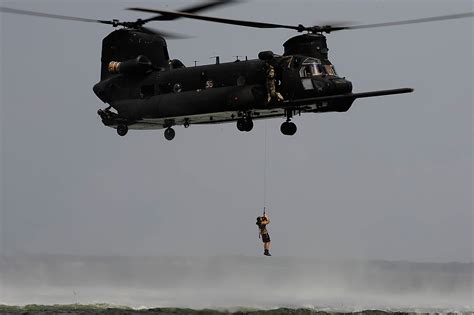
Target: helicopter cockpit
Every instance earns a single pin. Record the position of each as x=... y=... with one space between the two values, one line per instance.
x=311 y=67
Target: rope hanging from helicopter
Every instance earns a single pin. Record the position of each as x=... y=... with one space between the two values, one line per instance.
x=265 y=169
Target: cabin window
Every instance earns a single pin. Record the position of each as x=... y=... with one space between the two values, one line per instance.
x=307 y=84
x=177 y=88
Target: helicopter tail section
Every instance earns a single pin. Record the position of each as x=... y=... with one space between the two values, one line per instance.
x=130 y=47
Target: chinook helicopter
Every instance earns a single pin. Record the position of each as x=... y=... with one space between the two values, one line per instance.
x=146 y=89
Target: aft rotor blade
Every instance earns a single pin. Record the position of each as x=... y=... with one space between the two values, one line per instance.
x=192 y=9
x=176 y=14
x=52 y=16
x=405 y=22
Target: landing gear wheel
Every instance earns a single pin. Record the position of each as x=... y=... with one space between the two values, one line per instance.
x=169 y=133
x=288 y=128
x=284 y=127
x=122 y=130
x=241 y=124
x=292 y=129
x=248 y=124
x=245 y=124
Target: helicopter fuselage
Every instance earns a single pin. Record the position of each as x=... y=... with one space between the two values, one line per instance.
x=233 y=89
x=149 y=93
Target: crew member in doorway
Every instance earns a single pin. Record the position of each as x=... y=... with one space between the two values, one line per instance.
x=262 y=226
x=271 y=86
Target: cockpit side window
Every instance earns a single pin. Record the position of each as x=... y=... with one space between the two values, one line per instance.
x=330 y=69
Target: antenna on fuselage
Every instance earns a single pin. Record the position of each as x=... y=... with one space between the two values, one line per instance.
x=217 y=58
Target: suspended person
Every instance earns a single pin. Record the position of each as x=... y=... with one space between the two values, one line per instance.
x=262 y=226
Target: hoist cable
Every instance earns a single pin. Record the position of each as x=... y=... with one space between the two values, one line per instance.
x=265 y=168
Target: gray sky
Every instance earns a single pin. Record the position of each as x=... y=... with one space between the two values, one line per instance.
x=390 y=179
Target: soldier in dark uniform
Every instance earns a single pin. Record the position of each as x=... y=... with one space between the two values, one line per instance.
x=262 y=226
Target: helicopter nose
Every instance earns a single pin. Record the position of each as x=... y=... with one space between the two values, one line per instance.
x=341 y=85
x=332 y=85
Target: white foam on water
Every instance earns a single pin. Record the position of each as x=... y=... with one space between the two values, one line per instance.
x=235 y=282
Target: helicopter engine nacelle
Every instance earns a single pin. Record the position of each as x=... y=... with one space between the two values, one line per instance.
x=266 y=55
x=139 y=65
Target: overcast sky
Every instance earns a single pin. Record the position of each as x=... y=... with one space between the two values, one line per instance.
x=390 y=179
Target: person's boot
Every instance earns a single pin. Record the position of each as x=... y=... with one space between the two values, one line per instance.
x=267 y=252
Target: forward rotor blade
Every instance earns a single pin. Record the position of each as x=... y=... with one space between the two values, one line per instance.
x=193 y=9
x=165 y=34
x=52 y=16
x=176 y=14
x=405 y=22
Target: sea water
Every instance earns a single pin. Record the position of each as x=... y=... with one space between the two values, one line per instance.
x=234 y=283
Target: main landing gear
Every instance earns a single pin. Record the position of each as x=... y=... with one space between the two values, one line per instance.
x=122 y=130
x=288 y=128
x=169 y=133
x=245 y=123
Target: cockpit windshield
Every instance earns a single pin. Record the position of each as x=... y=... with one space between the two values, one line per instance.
x=312 y=67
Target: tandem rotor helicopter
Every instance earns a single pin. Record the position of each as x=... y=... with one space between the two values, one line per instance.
x=145 y=89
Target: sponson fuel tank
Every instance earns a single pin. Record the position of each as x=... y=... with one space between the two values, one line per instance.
x=187 y=103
